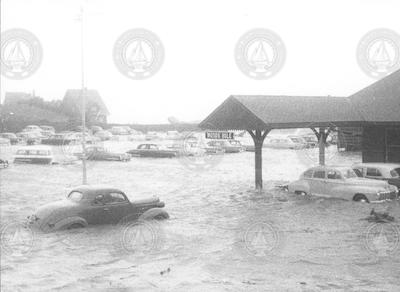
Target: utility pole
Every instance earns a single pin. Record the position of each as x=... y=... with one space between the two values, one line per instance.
x=83 y=98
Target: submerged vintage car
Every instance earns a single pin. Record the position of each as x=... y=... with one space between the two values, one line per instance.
x=228 y=146
x=100 y=153
x=91 y=205
x=34 y=154
x=153 y=150
x=342 y=182
x=285 y=142
x=389 y=172
x=30 y=138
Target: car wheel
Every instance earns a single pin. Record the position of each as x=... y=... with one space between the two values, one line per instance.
x=75 y=225
x=360 y=198
x=301 y=193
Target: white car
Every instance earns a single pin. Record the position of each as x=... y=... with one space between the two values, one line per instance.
x=342 y=182
x=34 y=154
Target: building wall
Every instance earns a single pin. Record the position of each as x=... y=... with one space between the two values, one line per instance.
x=381 y=144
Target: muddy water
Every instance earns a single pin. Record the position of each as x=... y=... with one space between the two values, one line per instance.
x=212 y=240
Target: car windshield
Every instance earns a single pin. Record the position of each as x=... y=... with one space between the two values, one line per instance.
x=395 y=172
x=75 y=196
x=348 y=172
x=296 y=140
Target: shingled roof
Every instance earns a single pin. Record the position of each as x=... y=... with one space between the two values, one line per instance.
x=379 y=102
x=92 y=97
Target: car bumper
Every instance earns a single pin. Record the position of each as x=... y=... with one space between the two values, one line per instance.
x=392 y=195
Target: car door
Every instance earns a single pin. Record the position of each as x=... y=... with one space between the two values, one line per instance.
x=97 y=211
x=334 y=184
x=318 y=183
x=117 y=207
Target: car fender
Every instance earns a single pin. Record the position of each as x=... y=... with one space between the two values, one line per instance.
x=66 y=222
x=154 y=213
x=299 y=185
x=351 y=191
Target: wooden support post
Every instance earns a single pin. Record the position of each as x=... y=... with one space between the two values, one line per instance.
x=321 y=136
x=321 y=144
x=258 y=138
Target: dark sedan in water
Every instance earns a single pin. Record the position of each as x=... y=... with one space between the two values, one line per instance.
x=100 y=153
x=152 y=150
x=89 y=205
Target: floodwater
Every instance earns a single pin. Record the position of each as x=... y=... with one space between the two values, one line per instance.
x=222 y=235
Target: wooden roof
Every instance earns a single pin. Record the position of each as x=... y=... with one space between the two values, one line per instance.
x=379 y=102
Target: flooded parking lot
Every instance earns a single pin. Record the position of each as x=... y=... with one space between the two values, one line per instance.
x=221 y=236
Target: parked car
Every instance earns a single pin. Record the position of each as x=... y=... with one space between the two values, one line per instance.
x=56 y=139
x=342 y=182
x=117 y=130
x=96 y=129
x=311 y=140
x=93 y=205
x=229 y=146
x=3 y=163
x=47 y=130
x=246 y=140
x=30 y=138
x=32 y=128
x=128 y=129
x=186 y=149
x=151 y=136
x=5 y=141
x=10 y=136
x=34 y=154
x=103 y=135
x=389 y=172
x=285 y=142
x=152 y=150
x=67 y=138
x=80 y=129
x=100 y=153
x=173 y=135
x=137 y=136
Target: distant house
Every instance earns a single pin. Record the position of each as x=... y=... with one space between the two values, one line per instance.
x=96 y=110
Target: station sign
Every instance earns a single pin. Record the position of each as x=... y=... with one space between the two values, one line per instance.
x=219 y=135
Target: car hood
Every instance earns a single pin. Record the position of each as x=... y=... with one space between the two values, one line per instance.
x=368 y=182
x=49 y=209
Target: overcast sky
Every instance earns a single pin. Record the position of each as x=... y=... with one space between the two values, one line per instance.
x=199 y=38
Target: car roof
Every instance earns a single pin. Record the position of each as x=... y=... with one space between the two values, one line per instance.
x=328 y=167
x=37 y=147
x=93 y=190
x=378 y=165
